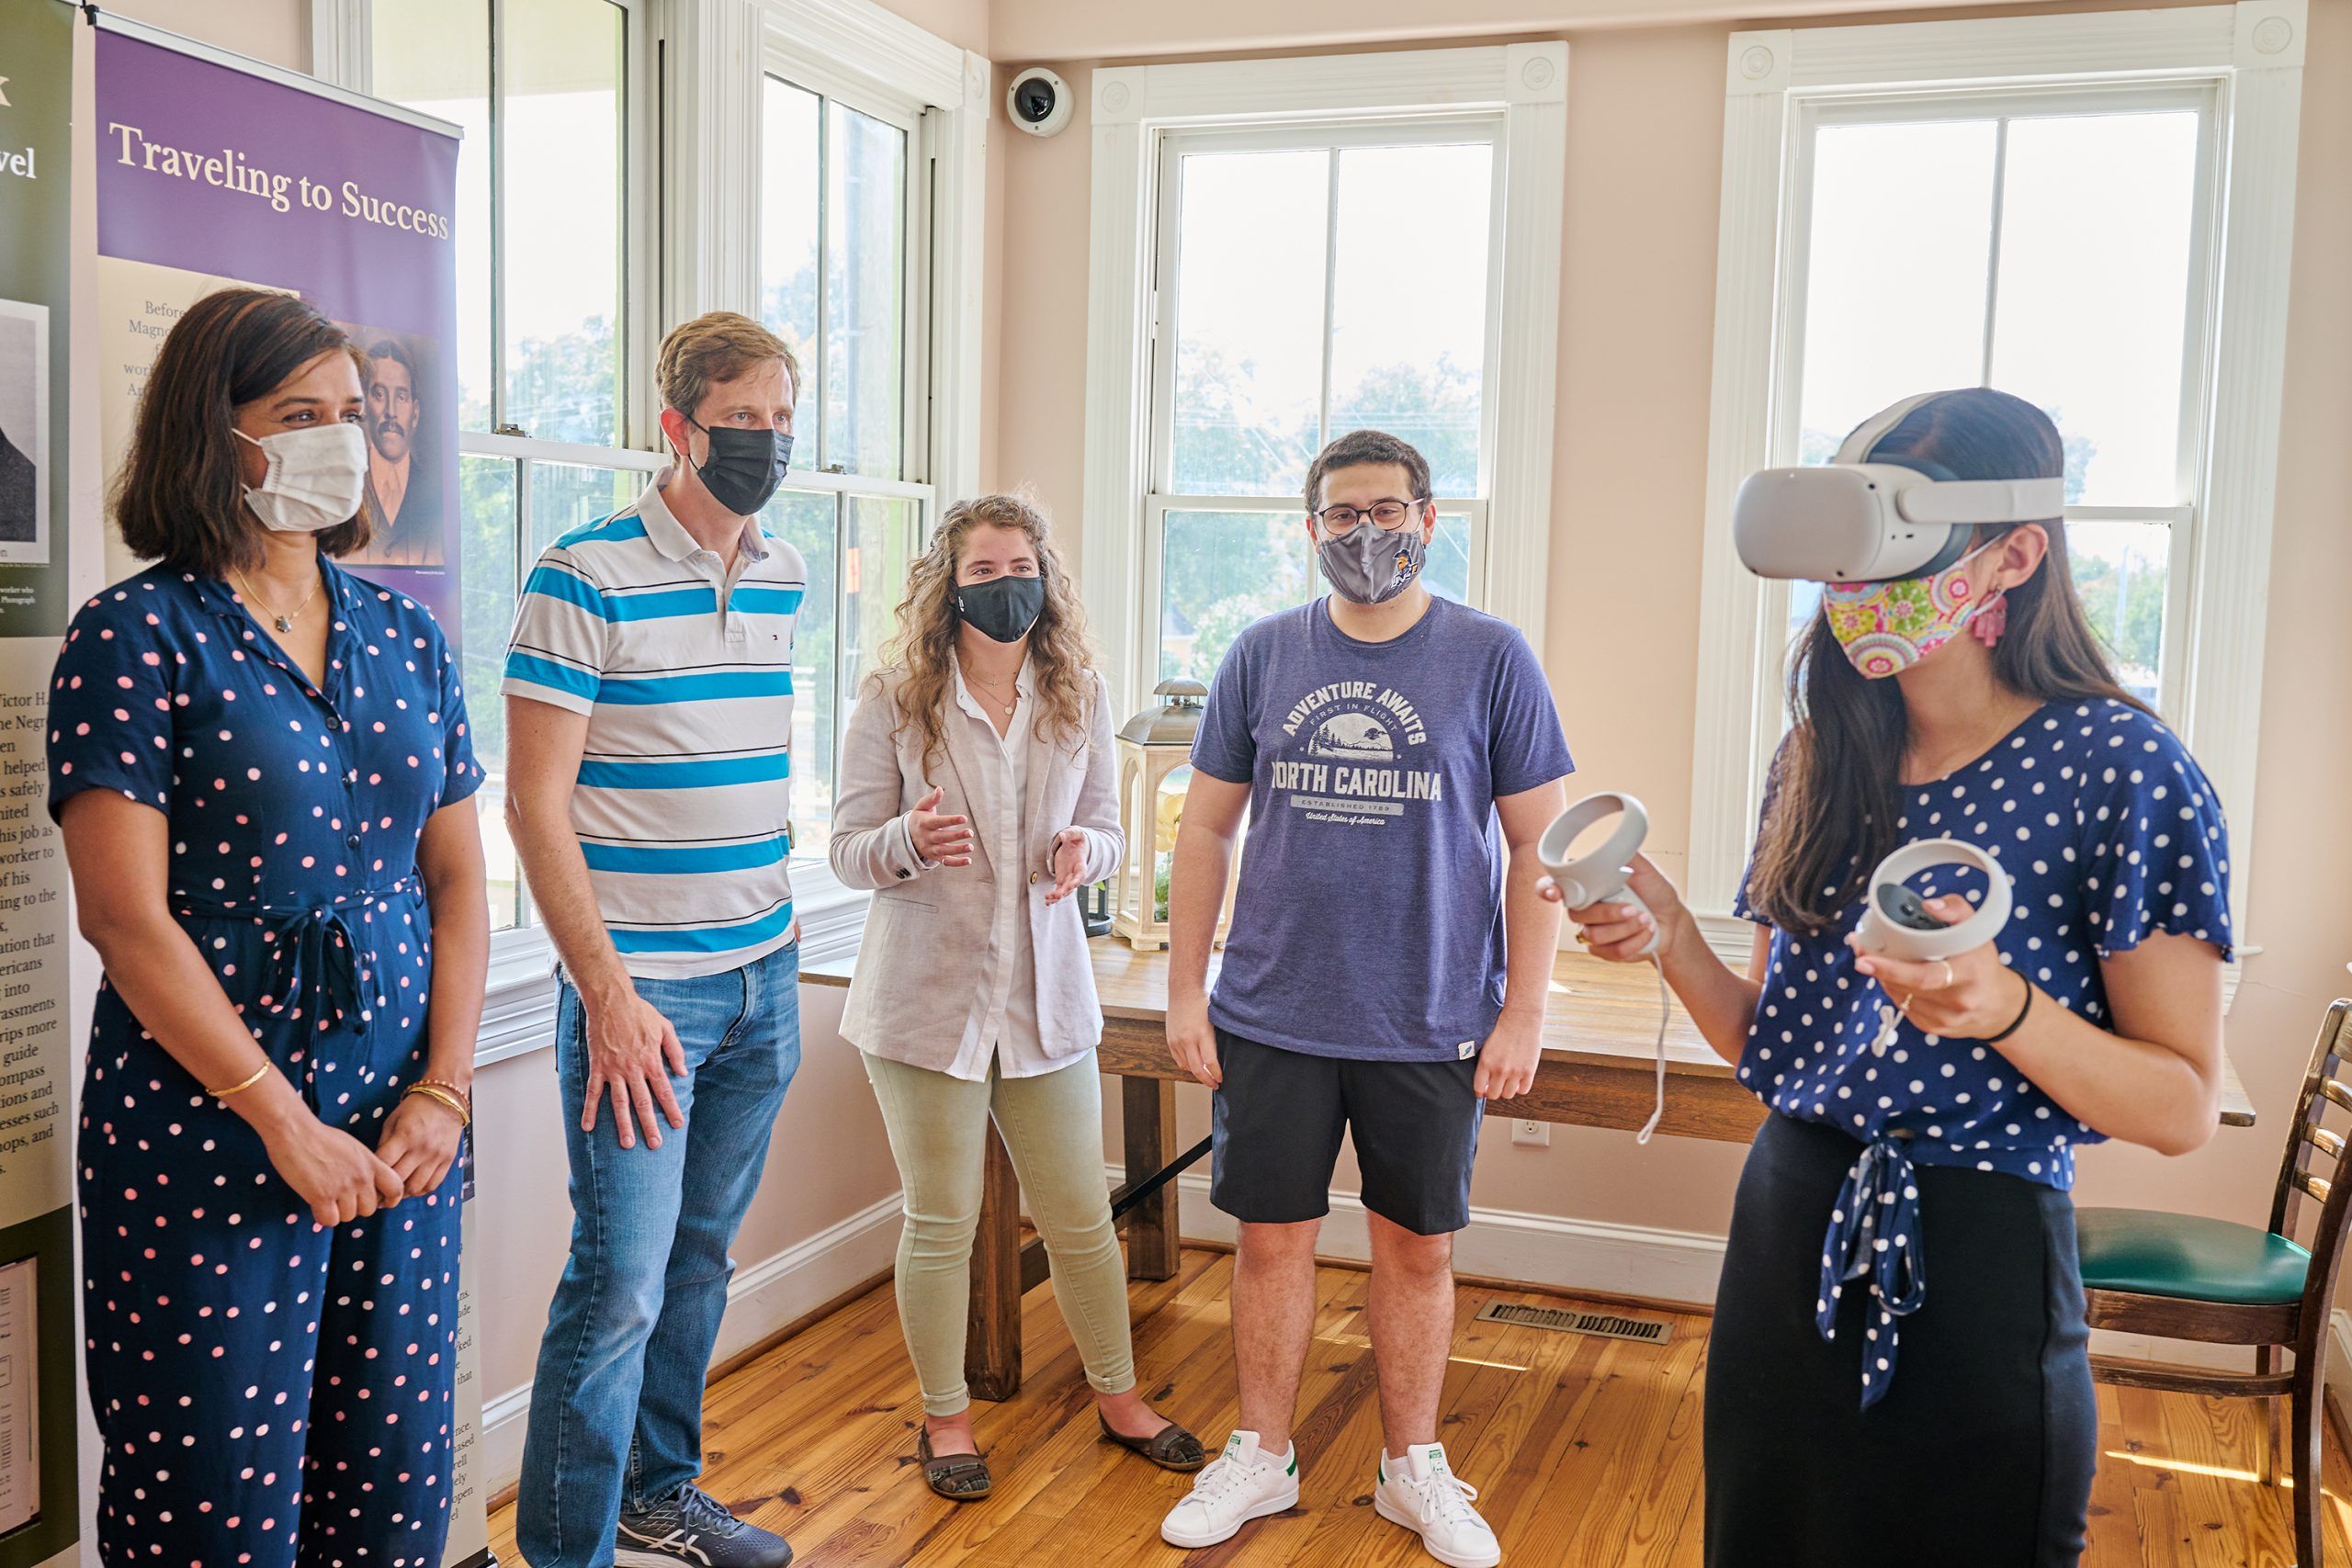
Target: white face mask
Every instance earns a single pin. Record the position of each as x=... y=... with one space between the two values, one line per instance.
x=316 y=478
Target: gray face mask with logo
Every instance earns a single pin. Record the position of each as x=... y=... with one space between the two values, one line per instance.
x=1368 y=566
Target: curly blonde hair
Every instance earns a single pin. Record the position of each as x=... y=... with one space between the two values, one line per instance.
x=1061 y=654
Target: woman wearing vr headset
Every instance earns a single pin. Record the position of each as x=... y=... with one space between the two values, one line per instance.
x=1899 y=1367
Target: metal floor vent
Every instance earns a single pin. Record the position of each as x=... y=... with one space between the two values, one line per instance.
x=1606 y=1325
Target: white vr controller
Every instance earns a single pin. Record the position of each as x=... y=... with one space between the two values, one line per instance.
x=1897 y=923
x=1598 y=876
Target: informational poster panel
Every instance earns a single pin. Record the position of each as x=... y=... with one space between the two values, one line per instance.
x=217 y=172
x=468 y=1502
x=40 y=1516
x=214 y=172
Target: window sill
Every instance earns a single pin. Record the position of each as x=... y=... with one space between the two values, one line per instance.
x=519 y=998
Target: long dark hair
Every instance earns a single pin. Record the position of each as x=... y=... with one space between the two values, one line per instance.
x=179 y=498
x=1837 y=781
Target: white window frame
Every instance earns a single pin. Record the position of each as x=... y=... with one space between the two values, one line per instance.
x=1137 y=111
x=696 y=87
x=2250 y=57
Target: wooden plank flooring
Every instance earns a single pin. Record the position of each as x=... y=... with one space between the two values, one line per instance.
x=1586 y=1450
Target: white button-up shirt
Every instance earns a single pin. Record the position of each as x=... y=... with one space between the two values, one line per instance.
x=1003 y=1028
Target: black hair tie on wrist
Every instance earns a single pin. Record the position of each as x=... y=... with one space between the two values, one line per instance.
x=2017 y=1022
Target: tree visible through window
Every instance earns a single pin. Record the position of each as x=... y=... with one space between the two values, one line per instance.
x=1311 y=286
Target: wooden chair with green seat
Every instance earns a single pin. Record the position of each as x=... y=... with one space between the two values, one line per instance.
x=2186 y=1277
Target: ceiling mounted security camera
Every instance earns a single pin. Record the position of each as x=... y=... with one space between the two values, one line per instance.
x=1039 y=101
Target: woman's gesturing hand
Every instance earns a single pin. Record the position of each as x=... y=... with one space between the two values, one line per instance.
x=939 y=840
x=1069 y=863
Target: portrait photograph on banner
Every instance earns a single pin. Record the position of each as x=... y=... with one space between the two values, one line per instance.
x=24 y=432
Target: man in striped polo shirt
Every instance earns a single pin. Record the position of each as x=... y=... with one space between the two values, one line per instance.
x=648 y=711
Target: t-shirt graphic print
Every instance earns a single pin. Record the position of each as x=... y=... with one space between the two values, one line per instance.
x=1369 y=920
x=1357 y=750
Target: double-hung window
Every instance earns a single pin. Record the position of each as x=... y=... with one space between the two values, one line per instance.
x=1920 y=206
x=843 y=277
x=551 y=354
x=1312 y=281
x=846 y=143
x=1285 y=250
x=2057 y=245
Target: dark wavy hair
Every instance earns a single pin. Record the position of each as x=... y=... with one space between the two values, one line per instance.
x=178 y=498
x=1837 y=785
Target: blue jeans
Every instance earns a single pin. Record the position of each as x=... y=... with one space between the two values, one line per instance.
x=616 y=1403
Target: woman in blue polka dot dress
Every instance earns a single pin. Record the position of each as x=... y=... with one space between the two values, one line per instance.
x=260 y=768
x=1898 y=1369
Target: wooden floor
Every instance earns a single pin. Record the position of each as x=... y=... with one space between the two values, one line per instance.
x=1586 y=1450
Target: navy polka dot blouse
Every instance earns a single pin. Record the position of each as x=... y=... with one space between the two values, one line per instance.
x=2109 y=832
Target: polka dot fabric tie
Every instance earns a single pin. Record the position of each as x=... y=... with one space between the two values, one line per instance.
x=1874 y=1235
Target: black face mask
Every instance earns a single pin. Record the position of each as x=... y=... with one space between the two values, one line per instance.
x=743 y=467
x=1003 y=609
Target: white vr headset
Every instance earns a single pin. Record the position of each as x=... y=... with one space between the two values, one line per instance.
x=1854 y=521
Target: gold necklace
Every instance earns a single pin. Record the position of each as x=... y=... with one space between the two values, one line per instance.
x=989 y=689
x=284 y=620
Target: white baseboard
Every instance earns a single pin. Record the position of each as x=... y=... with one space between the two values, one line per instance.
x=761 y=1300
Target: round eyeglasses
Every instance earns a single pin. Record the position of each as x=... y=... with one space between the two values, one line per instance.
x=1388 y=517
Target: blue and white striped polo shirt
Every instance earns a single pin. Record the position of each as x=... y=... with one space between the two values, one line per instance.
x=685 y=672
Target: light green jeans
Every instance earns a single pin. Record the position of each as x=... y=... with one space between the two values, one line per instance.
x=1053 y=1129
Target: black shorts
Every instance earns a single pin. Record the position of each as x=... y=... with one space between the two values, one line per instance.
x=1280 y=1115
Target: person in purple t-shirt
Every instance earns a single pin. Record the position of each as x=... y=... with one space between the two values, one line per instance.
x=1385 y=974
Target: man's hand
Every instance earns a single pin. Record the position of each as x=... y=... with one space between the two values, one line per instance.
x=628 y=1044
x=1507 y=1065
x=1192 y=1039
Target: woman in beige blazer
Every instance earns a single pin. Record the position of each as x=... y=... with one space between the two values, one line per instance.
x=977 y=795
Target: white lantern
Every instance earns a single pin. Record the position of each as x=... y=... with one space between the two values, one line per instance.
x=1155 y=768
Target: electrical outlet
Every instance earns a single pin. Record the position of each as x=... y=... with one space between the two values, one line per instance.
x=1534 y=1134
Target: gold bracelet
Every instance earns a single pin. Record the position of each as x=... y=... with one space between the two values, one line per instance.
x=435 y=1092
x=464 y=1095
x=259 y=1073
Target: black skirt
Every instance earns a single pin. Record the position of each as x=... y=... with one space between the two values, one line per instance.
x=1980 y=1454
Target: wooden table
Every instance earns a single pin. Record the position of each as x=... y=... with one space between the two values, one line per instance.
x=1599 y=1070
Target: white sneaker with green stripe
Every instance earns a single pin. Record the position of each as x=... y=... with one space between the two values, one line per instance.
x=1421 y=1493
x=1240 y=1484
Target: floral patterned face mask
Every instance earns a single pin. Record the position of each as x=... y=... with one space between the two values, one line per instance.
x=1886 y=627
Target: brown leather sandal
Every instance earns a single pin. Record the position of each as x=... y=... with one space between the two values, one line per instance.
x=959 y=1478
x=1171 y=1448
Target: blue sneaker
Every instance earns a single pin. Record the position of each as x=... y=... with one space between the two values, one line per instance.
x=692 y=1527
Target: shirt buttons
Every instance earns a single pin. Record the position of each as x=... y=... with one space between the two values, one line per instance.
x=1033 y=879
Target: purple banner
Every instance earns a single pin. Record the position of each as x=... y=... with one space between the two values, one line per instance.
x=209 y=176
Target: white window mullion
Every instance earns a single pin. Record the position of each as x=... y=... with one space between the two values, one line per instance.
x=1993 y=250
